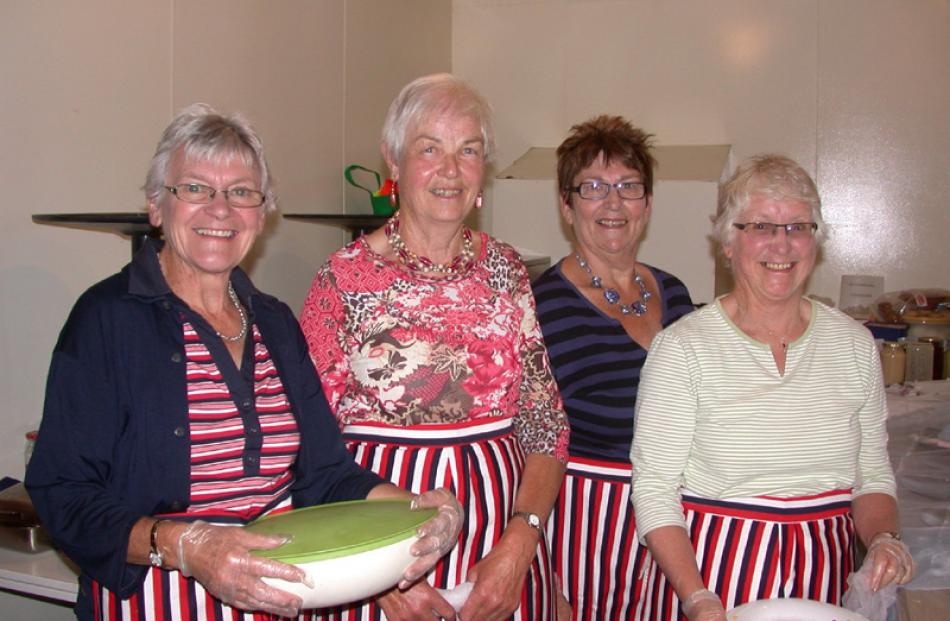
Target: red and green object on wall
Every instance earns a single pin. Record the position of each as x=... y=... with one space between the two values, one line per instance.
x=380 y=200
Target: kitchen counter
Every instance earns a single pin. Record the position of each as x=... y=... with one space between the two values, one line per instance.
x=919 y=447
x=46 y=574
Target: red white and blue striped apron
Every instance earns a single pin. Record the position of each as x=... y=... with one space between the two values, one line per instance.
x=594 y=548
x=481 y=462
x=220 y=491
x=749 y=549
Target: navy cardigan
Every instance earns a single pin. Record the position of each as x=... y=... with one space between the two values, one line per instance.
x=114 y=443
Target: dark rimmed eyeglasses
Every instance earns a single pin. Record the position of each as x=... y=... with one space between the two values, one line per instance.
x=767 y=230
x=198 y=194
x=598 y=190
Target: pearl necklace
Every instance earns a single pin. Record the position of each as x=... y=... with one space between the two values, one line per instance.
x=240 y=309
x=637 y=307
x=461 y=263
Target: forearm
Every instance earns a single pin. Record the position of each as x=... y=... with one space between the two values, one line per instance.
x=540 y=485
x=873 y=514
x=671 y=548
x=387 y=491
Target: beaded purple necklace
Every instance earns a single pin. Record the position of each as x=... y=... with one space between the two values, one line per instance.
x=637 y=307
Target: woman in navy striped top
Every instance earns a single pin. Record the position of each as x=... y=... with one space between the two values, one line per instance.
x=599 y=310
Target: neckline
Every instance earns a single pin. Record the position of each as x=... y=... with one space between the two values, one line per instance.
x=761 y=344
x=616 y=323
x=423 y=276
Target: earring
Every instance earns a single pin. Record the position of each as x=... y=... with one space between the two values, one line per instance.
x=393 y=199
x=478 y=201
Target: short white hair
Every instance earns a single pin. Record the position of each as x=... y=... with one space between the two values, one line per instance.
x=429 y=96
x=206 y=135
x=770 y=175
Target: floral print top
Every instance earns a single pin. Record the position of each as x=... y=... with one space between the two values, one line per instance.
x=396 y=347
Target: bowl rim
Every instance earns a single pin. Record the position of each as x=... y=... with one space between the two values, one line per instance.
x=343 y=550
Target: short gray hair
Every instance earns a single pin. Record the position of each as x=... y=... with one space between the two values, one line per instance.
x=206 y=135
x=770 y=175
x=432 y=95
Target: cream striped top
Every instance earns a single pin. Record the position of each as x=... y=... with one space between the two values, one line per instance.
x=715 y=417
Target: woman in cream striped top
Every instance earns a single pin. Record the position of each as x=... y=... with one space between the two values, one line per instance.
x=760 y=444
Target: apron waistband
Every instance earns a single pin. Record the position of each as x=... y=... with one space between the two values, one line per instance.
x=772 y=508
x=601 y=469
x=441 y=435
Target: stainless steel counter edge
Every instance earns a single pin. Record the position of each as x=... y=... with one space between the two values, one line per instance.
x=44 y=574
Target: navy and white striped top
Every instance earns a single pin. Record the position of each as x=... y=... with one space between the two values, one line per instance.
x=596 y=363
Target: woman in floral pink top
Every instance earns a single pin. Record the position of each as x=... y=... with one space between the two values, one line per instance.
x=425 y=337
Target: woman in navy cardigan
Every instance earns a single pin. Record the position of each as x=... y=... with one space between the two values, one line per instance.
x=181 y=402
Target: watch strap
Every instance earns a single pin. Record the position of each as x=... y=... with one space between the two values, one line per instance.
x=154 y=555
x=890 y=534
x=531 y=519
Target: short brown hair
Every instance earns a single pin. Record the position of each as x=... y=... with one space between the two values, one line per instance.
x=616 y=138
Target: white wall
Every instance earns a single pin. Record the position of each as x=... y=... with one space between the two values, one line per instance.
x=380 y=60
x=855 y=90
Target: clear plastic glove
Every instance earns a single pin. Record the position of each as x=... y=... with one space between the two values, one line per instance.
x=888 y=560
x=861 y=599
x=437 y=536
x=704 y=605
x=218 y=557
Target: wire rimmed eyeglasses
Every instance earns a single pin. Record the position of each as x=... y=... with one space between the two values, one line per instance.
x=767 y=230
x=199 y=194
x=598 y=190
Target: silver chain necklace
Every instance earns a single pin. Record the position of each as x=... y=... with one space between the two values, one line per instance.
x=240 y=309
x=637 y=307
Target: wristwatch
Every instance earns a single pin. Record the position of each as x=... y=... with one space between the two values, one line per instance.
x=532 y=519
x=154 y=556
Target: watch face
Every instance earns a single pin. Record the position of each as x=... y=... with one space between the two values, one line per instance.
x=533 y=520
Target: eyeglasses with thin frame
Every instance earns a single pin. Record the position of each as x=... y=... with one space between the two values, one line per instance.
x=598 y=190
x=199 y=194
x=767 y=230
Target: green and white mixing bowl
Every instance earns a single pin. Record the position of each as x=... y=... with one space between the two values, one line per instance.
x=350 y=550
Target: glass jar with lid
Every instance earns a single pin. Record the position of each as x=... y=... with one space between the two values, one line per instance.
x=937 y=354
x=920 y=362
x=893 y=361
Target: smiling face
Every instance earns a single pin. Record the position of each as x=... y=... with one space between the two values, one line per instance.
x=612 y=226
x=776 y=268
x=441 y=169
x=212 y=238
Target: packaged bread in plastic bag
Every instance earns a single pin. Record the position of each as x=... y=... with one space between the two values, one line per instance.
x=911 y=304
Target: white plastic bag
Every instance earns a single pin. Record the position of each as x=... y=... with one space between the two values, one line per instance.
x=457 y=596
x=862 y=600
